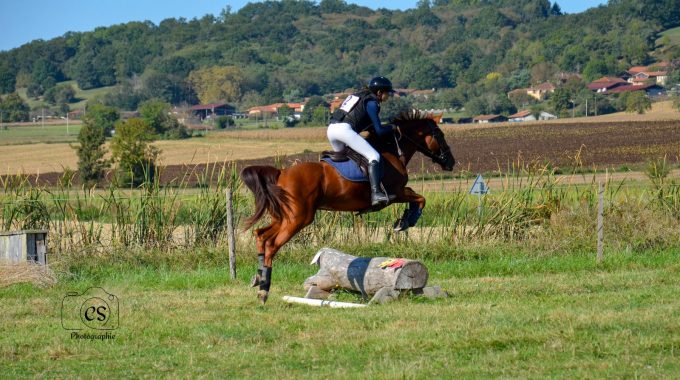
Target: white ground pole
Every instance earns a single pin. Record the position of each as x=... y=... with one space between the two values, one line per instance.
x=311 y=302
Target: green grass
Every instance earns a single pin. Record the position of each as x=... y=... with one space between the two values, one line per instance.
x=512 y=313
x=673 y=38
x=82 y=96
x=16 y=135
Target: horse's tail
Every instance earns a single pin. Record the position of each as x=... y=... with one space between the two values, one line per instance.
x=261 y=180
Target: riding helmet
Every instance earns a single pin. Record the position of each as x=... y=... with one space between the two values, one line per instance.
x=380 y=83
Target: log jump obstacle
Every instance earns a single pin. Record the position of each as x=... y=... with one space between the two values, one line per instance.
x=383 y=278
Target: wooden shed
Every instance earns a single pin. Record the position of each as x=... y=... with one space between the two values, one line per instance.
x=21 y=246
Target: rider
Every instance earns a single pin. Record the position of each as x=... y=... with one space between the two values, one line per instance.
x=358 y=113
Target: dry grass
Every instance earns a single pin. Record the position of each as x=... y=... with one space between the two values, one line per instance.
x=44 y=158
x=14 y=273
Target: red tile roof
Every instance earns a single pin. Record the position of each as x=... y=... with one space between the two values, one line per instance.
x=629 y=88
x=520 y=114
x=609 y=79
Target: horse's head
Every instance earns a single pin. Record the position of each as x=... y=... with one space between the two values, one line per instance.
x=423 y=133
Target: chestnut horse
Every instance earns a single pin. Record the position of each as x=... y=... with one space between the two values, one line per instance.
x=291 y=196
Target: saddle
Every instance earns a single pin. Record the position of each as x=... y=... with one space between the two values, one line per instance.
x=344 y=156
x=354 y=167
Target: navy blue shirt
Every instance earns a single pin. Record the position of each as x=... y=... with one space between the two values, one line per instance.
x=372 y=110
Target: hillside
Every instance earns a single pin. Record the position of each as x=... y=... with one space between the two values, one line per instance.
x=286 y=50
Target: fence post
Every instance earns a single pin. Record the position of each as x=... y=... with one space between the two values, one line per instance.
x=600 y=224
x=231 y=234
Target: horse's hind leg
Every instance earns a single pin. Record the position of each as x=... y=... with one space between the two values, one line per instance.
x=287 y=230
x=261 y=235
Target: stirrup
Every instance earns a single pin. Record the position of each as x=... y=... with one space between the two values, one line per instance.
x=379 y=198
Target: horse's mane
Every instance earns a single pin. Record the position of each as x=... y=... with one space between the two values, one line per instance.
x=411 y=116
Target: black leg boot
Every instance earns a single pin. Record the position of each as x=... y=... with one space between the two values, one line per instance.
x=265 y=283
x=377 y=196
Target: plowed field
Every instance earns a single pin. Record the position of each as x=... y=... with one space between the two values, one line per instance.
x=487 y=148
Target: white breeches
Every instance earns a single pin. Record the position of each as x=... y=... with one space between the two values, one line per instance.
x=342 y=134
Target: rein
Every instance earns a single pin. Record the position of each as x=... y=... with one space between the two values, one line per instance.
x=438 y=136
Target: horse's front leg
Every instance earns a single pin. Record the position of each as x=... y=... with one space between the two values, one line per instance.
x=416 y=204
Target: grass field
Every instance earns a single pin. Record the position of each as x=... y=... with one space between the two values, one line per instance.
x=36 y=134
x=528 y=299
x=82 y=96
x=510 y=315
x=672 y=36
x=48 y=151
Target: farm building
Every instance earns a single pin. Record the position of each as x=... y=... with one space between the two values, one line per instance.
x=651 y=90
x=546 y=116
x=204 y=111
x=606 y=84
x=659 y=77
x=273 y=109
x=484 y=119
x=525 y=115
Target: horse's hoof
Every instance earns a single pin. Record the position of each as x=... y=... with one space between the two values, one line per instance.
x=400 y=225
x=262 y=295
x=255 y=281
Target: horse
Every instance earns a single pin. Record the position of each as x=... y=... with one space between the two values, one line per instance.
x=292 y=196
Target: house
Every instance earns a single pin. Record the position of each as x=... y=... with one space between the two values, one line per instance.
x=520 y=116
x=606 y=84
x=541 y=91
x=546 y=116
x=657 y=72
x=651 y=90
x=659 y=77
x=204 y=111
x=485 y=119
x=273 y=109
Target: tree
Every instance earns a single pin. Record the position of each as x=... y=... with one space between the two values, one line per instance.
x=7 y=79
x=102 y=116
x=393 y=107
x=217 y=83
x=560 y=101
x=284 y=112
x=310 y=113
x=14 y=108
x=638 y=102
x=91 y=161
x=594 y=69
x=555 y=10
x=156 y=113
x=171 y=88
x=131 y=151
x=60 y=94
x=45 y=74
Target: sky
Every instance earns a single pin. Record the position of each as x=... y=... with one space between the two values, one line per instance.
x=22 y=21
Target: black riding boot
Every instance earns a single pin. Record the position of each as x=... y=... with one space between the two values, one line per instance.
x=377 y=196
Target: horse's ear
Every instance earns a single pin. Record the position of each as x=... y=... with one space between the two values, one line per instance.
x=437 y=118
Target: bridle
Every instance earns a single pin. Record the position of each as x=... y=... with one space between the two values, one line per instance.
x=437 y=134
